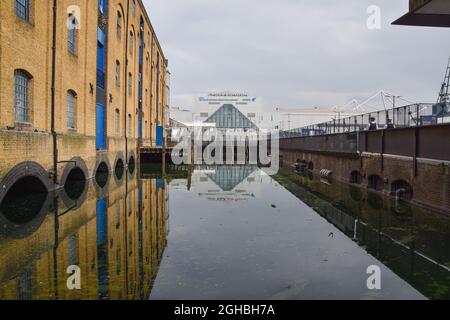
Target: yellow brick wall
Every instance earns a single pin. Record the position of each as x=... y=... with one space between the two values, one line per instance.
x=116 y=52
x=28 y=46
x=77 y=71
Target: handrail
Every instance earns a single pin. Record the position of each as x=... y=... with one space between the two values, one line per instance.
x=413 y=115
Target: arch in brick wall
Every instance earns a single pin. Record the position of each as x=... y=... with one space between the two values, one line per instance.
x=402 y=190
x=101 y=157
x=375 y=182
x=71 y=202
x=24 y=179
x=22 y=170
x=131 y=163
x=119 y=168
x=76 y=168
x=356 y=177
x=102 y=167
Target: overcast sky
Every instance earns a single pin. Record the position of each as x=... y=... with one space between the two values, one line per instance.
x=297 y=53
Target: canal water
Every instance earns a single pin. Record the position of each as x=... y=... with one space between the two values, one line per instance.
x=220 y=233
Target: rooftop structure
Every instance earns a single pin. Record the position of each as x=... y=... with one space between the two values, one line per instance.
x=427 y=13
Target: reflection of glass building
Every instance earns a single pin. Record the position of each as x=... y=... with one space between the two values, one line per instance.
x=428 y=13
x=229 y=177
x=228 y=183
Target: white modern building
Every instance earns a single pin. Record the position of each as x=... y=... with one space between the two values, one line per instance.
x=226 y=110
x=287 y=119
x=235 y=110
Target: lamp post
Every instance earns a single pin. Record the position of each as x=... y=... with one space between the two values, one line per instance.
x=394 y=97
x=339 y=111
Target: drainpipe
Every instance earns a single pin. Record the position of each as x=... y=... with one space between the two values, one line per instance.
x=55 y=150
x=125 y=82
x=54 y=135
x=151 y=87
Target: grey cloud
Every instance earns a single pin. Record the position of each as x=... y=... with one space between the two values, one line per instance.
x=296 y=53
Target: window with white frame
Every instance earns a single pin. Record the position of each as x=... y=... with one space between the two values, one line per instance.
x=119 y=25
x=22 y=96
x=117 y=73
x=129 y=126
x=130 y=83
x=117 y=122
x=22 y=9
x=72 y=40
x=71 y=108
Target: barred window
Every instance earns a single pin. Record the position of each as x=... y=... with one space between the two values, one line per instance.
x=21 y=96
x=119 y=24
x=117 y=73
x=72 y=40
x=116 y=121
x=22 y=8
x=130 y=84
x=71 y=104
x=129 y=126
x=131 y=42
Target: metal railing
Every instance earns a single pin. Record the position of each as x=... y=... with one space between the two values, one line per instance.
x=413 y=115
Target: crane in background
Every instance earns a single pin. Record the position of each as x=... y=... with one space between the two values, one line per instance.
x=441 y=108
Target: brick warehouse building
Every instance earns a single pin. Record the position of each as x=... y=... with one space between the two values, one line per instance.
x=83 y=84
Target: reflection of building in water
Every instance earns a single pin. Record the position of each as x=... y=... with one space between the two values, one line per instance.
x=392 y=231
x=117 y=241
x=227 y=183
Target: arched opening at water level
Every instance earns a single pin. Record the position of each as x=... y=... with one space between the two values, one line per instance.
x=24 y=200
x=75 y=183
x=102 y=175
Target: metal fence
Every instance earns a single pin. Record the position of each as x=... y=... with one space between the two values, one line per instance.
x=338 y=143
x=401 y=117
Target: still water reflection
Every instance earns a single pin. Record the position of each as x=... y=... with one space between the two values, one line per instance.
x=116 y=235
x=235 y=233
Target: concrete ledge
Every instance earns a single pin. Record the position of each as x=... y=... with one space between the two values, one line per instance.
x=406 y=158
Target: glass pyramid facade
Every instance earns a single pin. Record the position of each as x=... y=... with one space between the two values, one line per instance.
x=229 y=117
x=229 y=177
